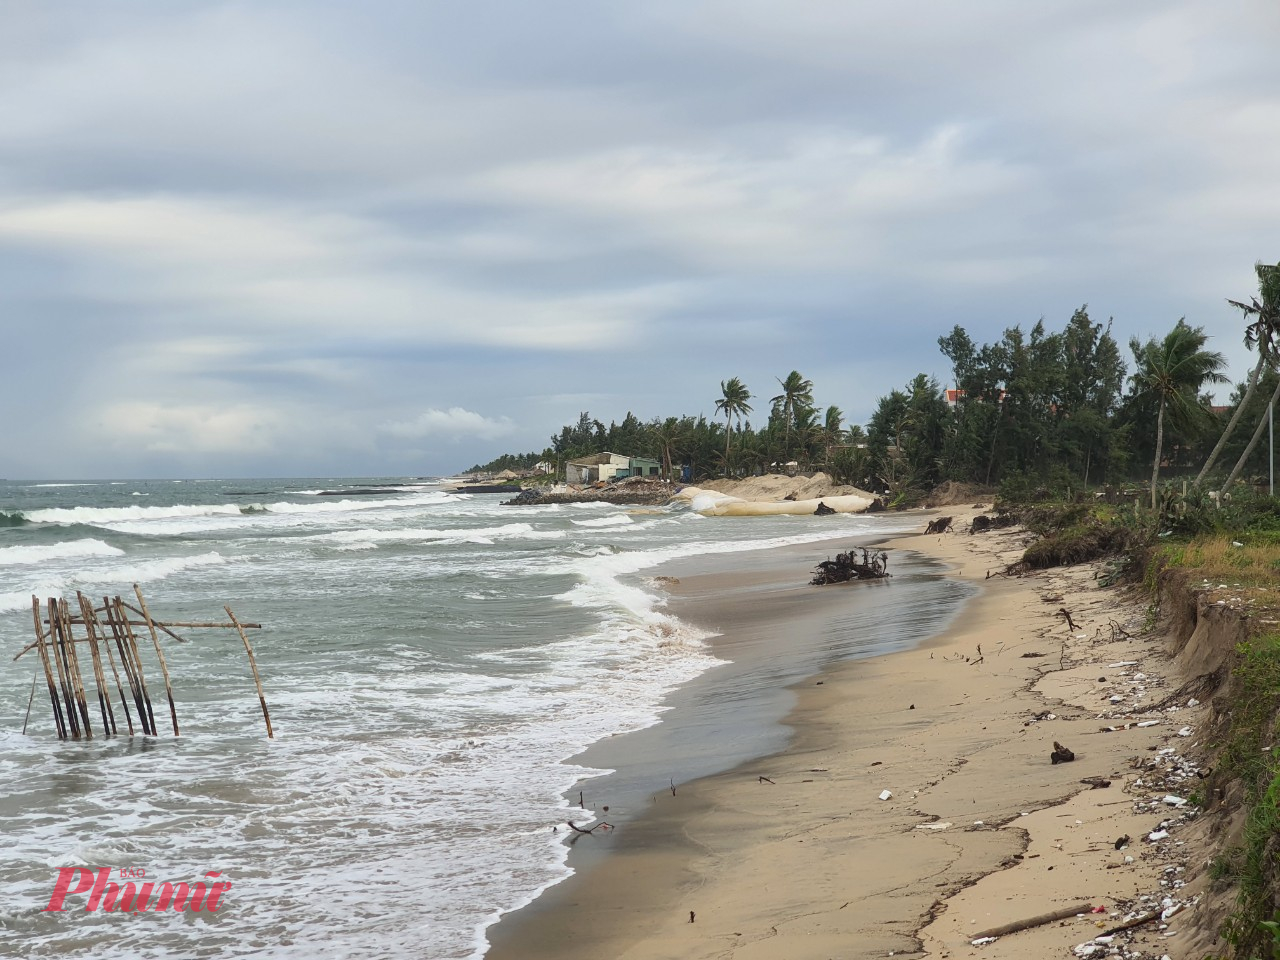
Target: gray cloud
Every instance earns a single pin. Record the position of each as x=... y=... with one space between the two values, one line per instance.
x=440 y=231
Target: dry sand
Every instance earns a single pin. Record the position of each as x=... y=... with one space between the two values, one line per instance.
x=795 y=856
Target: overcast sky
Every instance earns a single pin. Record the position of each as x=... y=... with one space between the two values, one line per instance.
x=398 y=238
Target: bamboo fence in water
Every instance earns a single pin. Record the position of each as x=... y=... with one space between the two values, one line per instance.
x=106 y=632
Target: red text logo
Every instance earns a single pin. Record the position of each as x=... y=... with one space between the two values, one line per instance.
x=132 y=898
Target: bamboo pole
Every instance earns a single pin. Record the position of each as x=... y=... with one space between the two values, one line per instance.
x=64 y=674
x=164 y=667
x=48 y=670
x=104 y=696
x=137 y=659
x=125 y=661
x=159 y=625
x=111 y=659
x=262 y=699
x=31 y=699
x=77 y=677
x=64 y=688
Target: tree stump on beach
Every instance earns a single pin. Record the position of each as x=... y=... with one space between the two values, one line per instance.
x=847 y=566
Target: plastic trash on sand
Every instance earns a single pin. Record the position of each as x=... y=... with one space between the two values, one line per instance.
x=886 y=794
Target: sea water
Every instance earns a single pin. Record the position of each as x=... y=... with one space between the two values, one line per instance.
x=430 y=661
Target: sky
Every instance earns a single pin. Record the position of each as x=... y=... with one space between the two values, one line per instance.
x=327 y=239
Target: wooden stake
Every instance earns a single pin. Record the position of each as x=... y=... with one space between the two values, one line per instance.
x=100 y=679
x=111 y=659
x=64 y=677
x=137 y=659
x=126 y=661
x=164 y=667
x=35 y=675
x=48 y=670
x=74 y=661
x=262 y=699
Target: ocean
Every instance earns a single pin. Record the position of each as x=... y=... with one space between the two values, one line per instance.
x=432 y=661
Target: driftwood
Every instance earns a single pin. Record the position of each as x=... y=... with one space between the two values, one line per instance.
x=982 y=523
x=599 y=826
x=1139 y=921
x=1037 y=921
x=847 y=566
x=940 y=525
x=1061 y=754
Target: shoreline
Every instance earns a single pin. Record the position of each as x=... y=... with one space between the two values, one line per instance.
x=794 y=854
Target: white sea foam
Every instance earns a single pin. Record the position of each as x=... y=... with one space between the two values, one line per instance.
x=71 y=549
x=107 y=516
x=365 y=539
x=620 y=520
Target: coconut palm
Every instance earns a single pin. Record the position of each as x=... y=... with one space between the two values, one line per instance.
x=733 y=403
x=796 y=392
x=1263 y=333
x=1172 y=371
x=669 y=437
x=832 y=429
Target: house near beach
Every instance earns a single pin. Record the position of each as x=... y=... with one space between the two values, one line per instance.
x=609 y=466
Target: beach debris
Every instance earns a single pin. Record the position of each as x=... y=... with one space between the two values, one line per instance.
x=691 y=916
x=104 y=627
x=983 y=522
x=1061 y=754
x=1122 y=842
x=940 y=525
x=886 y=794
x=934 y=826
x=1066 y=614
x=1039 y=920
x=1097 y=783
x=602 y=825
x=758 y=780
x=846 y=567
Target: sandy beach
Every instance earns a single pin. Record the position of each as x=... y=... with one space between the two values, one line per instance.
x=797 y=855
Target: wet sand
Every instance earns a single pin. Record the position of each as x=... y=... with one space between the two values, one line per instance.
x=795 y=855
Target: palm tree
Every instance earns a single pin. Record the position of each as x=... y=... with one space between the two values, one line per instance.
x=1263 y=332
x=796 y=392
x=832 y=429
x=669 y=437
x=1172 y=371
x=733 y=403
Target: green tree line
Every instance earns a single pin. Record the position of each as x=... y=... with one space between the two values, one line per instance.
x=1067 y=408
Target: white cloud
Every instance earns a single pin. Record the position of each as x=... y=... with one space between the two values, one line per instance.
x=212 y=428
x=453 y=422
